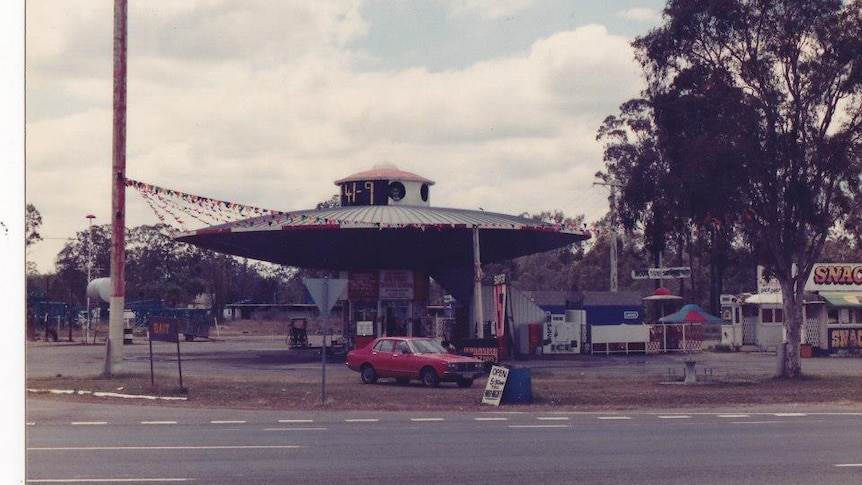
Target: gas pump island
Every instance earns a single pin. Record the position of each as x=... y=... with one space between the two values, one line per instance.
x=387 y=240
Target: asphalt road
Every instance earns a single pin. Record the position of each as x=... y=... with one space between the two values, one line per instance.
x=70 y=442
x=86 y=443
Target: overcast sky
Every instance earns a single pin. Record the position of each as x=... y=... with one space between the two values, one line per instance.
x=266 y=103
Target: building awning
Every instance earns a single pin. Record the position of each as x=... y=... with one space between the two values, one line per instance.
x=845 y=299
x=764 y=299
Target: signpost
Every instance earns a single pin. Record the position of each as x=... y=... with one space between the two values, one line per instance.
x=165 y=330
x=325 y=292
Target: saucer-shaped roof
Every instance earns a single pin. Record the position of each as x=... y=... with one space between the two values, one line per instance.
x=385 y=172
x=383 y=237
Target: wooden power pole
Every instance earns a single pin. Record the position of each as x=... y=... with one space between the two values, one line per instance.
x=114 y=354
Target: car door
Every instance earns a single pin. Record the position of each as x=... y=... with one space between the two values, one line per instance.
x=404 y=361
x=408 y=363
x=381 y=357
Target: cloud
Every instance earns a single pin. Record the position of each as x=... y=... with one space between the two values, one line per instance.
x=492 y=9
x=262 y=103
x=644 y=15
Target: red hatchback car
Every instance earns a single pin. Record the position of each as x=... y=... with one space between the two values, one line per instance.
x=406 y=358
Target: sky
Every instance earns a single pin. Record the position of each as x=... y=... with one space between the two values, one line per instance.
x=268 y=102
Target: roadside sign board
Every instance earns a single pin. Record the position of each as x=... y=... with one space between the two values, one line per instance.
x=325 y=292
x=496 y=383
x=661 y=273
x=164 y=329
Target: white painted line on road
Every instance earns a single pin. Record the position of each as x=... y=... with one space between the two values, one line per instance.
x=286 y=421
x=89 y=423
x=110 y=480
x=361 y=420
x=31 y=423
x=844 y=465
x=789 y=415
x=239 y=421
x=295 y=429
x=538 y=425
x=491 y=419
x=734 y=416
x=675 y=416
x=755 y=422
x=611 y=418
x=552 y=418
x=164 y=448
x=424 y=420
x=158 y=422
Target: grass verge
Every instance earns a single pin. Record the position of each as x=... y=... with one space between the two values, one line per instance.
x=564 y=393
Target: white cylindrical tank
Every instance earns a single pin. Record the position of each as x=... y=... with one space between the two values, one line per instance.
x=100 y=288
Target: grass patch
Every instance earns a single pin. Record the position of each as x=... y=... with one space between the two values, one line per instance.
x=569 y=392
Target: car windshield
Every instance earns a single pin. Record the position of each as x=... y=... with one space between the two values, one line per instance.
x=427 y=346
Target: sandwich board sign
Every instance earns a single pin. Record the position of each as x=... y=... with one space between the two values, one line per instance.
x=496 y=383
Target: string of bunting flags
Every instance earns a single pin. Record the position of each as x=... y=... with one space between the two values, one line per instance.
x=174 y=207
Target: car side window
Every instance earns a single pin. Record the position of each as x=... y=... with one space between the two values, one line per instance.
x=401 y=347
x=384 y=346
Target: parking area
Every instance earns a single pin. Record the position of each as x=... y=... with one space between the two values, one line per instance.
x=268 y=357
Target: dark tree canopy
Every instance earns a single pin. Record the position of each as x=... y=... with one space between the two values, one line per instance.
x=32 y=222
x=757 y=112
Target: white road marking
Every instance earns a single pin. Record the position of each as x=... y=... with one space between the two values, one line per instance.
x=89 y=423
x=611 y=418
x=158 y=422
x=361 y=420
x=422 y=420
x=789 y=415
x=295 y=429
x=843 y=465
x=734 y=416
x=538 y=425
x=491 y=419
x=675 y=416
x=164 y=448
x=296 y=421
x=755 y=422
x=110 y=480
x=240 y=421
x=552 y=418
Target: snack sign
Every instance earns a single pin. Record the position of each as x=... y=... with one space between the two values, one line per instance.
x=835 y=277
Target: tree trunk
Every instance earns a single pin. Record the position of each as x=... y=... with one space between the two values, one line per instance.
x=793 y=302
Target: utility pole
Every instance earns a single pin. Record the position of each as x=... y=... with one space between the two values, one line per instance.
x=114 y=353
x=477 y=286
x=612 y=201
x=89 y=321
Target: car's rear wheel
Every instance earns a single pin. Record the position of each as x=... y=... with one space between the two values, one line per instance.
x=368 y=374
x=465 y=383
x=429 y=377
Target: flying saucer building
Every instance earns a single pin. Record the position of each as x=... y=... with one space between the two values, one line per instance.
x=388 y=240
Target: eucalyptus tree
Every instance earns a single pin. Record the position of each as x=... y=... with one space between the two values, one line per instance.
x=32 y=222
x=790 y=133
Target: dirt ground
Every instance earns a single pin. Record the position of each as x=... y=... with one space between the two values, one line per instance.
x=248 y=366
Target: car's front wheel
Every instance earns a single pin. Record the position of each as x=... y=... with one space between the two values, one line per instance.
x=429 y=377
x=465 y=383
x=368 y=375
